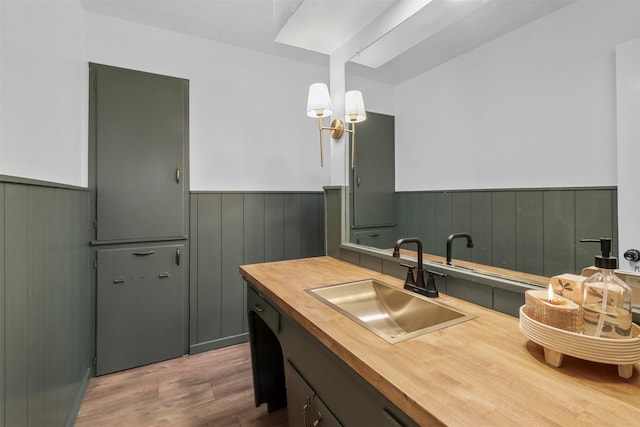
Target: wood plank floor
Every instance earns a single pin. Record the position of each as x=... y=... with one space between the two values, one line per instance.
x=207 y=389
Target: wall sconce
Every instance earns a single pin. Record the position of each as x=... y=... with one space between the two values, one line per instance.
x=354 y=112
x=319 y=105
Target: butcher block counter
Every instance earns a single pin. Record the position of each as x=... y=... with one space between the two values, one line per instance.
x=480 y=372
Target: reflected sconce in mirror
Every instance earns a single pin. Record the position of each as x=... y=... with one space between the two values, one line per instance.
x=354 y=112
x=319 y=105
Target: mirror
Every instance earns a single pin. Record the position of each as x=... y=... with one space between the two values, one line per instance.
x=497 y=138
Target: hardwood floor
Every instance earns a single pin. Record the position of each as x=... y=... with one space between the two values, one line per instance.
x=207 y=389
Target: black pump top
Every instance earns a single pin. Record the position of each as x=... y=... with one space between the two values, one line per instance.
x=604 y=260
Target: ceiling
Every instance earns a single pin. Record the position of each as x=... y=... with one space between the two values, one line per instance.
x=393 y=40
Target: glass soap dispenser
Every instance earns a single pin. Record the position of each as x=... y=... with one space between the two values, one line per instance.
x=606 y=304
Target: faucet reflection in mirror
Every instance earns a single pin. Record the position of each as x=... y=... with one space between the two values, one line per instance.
x=319 y=105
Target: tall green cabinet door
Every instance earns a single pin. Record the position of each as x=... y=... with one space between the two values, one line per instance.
x=138 y=177
x=141 y=309
x=142 y=128
x=373 y=175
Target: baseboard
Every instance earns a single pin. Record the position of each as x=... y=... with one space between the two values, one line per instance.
x=75 y=409
x=215 y=344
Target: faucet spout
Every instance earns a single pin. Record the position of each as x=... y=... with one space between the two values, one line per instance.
x=456 y=236
x=419 y=285
x=418 y=242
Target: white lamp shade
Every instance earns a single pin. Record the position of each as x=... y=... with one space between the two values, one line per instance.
x=354 y=107
x=319 y=102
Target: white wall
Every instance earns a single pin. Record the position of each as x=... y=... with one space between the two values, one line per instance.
x=378 y=97
x=248 y=125
x=43 y=82
x=628 y=103
x=249 y=130
x=534 y=108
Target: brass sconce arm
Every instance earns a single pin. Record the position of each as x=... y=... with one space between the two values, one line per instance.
x=353 y=144
x=337 y=130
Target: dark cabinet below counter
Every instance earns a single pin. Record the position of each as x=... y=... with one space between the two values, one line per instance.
x=319 y=385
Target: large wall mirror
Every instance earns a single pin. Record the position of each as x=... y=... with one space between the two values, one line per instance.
x=502 y=125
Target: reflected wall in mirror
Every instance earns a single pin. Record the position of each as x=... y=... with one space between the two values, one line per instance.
x=513 y=141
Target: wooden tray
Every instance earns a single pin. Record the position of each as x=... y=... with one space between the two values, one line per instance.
x=557 y=342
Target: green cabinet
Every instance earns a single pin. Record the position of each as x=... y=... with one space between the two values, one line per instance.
x=138 y=180
x=319 y=385
x=305 y=406
x=373 y=181
x=141 y=310
x=141 y=130
x=374 y=237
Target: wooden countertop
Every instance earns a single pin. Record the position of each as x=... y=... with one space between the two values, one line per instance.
x=480 y=372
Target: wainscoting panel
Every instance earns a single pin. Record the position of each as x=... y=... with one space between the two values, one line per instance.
x=460 y=222
x=45 y=339
x=559 y=232
x=529 y=229
x=594 y=213
x=536 y=231
x=444 y=222
x=503 y=231
x=481 y=225
x=2 y=304
x=427 y=215
x=231 y=229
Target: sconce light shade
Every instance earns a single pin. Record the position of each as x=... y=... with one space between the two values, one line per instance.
x=319 y=102
x=354 y=107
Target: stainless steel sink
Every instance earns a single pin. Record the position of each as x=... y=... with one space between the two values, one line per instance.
x=392 y=313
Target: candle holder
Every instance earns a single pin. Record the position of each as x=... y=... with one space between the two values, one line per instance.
x=557 y=343
x=553 y=310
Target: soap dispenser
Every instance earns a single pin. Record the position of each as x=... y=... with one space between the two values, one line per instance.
x=606 y=303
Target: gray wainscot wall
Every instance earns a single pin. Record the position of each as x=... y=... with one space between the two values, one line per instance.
x=230 y=229
x=44 y=302
x=510 y=221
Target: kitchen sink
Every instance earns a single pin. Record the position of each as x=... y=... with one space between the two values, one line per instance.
x=390 y=312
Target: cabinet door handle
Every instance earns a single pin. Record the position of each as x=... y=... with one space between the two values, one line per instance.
x=305 y=411
x=358 y=181
x=258 y=308
x=318 y=420
x=144 y=253
x=178 y=256
x=178 y=174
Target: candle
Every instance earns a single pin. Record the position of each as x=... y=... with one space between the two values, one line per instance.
x=553 y=310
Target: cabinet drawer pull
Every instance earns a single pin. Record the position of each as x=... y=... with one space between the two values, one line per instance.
x=374 y=234
x=163 y=275
x=258 y=308
x=118 y=280
x=144 y=253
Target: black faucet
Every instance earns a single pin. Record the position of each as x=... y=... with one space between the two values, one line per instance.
x=455 y=236
x=418 y=286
